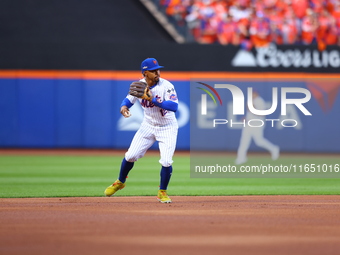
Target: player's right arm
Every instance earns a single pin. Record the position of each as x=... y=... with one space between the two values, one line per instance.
x=124 y=110
x=125 y=105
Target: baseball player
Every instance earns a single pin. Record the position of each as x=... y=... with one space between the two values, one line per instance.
x=159 y=102
x=255 y=133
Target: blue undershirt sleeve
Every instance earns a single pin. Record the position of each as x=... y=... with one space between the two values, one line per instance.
x=166 y=105
x=127 y=103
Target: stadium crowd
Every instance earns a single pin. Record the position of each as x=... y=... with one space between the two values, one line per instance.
x=258 y=22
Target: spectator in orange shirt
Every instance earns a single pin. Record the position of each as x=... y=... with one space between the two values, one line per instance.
x=324 y=21
x=209 y=26
x=276 y=21
x=328 y=31
x=333 y=35
x=309 y=28
x=289 y=28
x=336 y=13
x=242 y=34
x=170 y=6
x=260 y=31
x=227 y=31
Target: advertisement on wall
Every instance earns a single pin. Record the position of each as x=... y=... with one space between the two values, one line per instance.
x=279 y=58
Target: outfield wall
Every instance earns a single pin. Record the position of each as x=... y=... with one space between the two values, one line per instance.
x=68 y=109
x=74 y=110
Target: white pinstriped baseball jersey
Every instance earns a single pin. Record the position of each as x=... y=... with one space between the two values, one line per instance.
x=153 y=115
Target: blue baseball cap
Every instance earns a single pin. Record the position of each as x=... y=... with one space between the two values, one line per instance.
x=150 y=64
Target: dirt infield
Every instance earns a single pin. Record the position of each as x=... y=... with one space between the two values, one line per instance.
x=190 y=225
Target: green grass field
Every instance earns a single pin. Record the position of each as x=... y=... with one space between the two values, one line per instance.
x=67 y=176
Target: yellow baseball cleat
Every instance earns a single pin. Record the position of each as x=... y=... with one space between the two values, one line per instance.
x=117 y=185
x=163 y=196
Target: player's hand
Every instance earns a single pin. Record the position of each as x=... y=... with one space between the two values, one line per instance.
x=124 y=110
x=147 y=94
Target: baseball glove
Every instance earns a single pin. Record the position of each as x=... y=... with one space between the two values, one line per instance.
x=141 y=90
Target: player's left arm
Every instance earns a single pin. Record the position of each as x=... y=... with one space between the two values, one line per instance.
x=170 y=101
